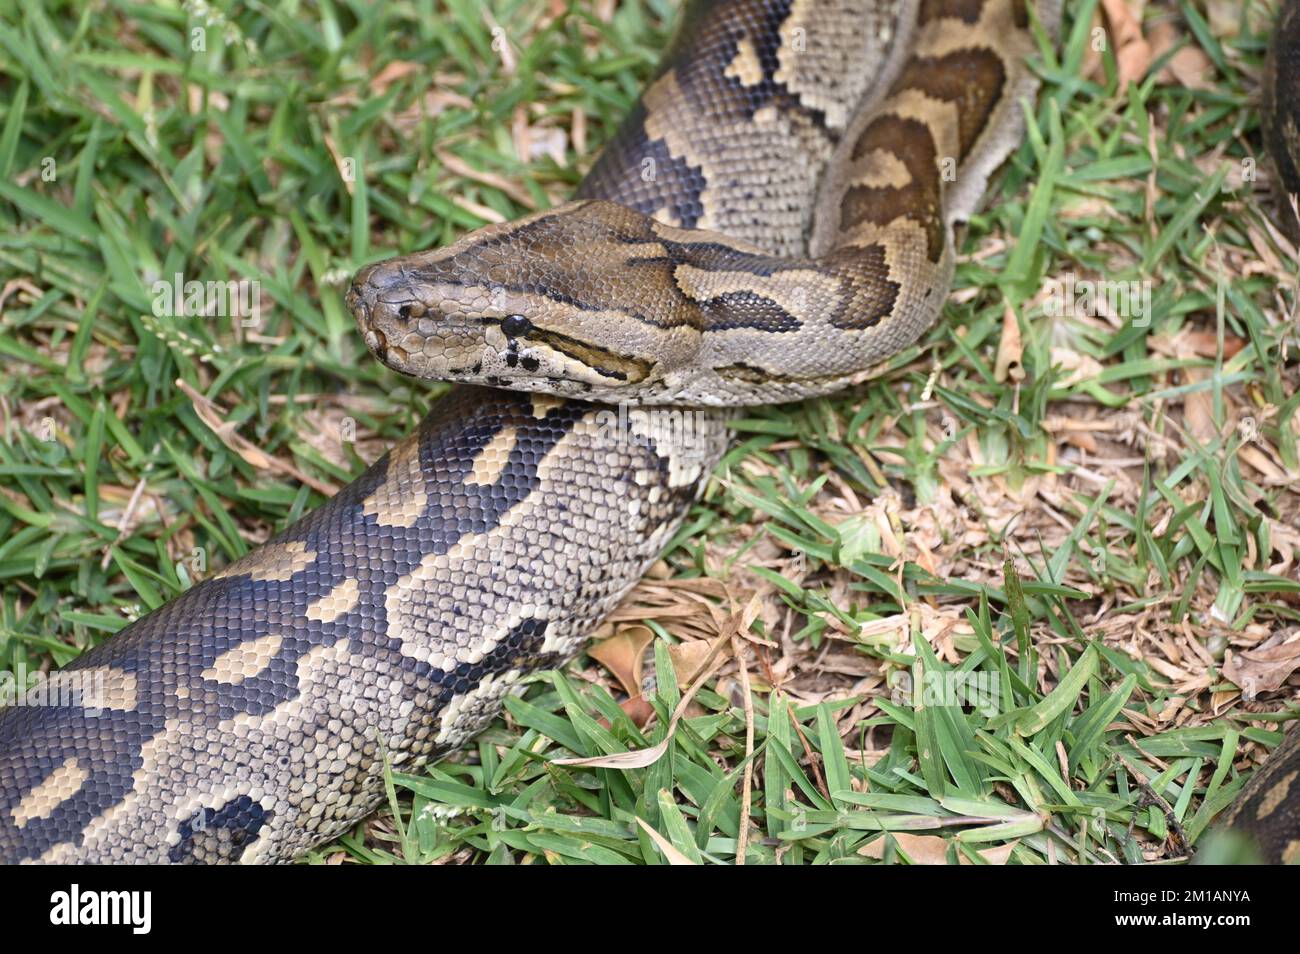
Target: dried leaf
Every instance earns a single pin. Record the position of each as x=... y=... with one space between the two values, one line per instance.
x=1010 y=350
x=638 y=709
x=1132 y=52
x=1198 y=407
x=225 y=430
x=1076 y=365
x=859 y=536
x=457 y=166
x=639 y=758
x=1189 y=67
x=1265 y=667
x=622 y=654
x=688 y=659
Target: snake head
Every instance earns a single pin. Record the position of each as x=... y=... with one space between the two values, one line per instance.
x=576 y=301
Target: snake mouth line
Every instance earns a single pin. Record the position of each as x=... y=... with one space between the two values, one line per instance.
x=394 y=356
x=606 y=363
x=376 y=342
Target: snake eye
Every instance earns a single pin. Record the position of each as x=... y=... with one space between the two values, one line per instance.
x=512 y=326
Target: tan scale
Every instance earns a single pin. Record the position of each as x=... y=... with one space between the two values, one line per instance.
x=1277 y=795
x=41 y=801
x=398 y=501
x=271 y=561
x=95 y=688
x=243 y=661
x=339 y=601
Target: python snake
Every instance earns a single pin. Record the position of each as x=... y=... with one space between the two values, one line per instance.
x=774 y=217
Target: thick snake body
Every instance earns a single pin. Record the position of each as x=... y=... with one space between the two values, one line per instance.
x=249 y=719
x=793 y=173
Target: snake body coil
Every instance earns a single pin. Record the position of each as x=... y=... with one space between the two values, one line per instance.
x=774 y=217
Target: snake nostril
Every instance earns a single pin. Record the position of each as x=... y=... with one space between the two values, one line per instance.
x=404 y=312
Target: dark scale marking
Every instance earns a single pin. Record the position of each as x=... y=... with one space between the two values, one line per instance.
x=868 y=293
x=220 y=834
x=515 y=650
x=706 y=45
x=763 y=33
x=744 y=373
x=748 y=310
x=910 y=141
x=767 y=42
x=973 y=79
x=611 y=364
x=968 y=11
x=675 y=186
x=520 y=649
x=716 y=257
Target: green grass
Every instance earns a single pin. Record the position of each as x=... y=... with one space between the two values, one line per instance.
x=875 y=527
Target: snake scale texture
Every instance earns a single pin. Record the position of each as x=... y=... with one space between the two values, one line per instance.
x=774 y=218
